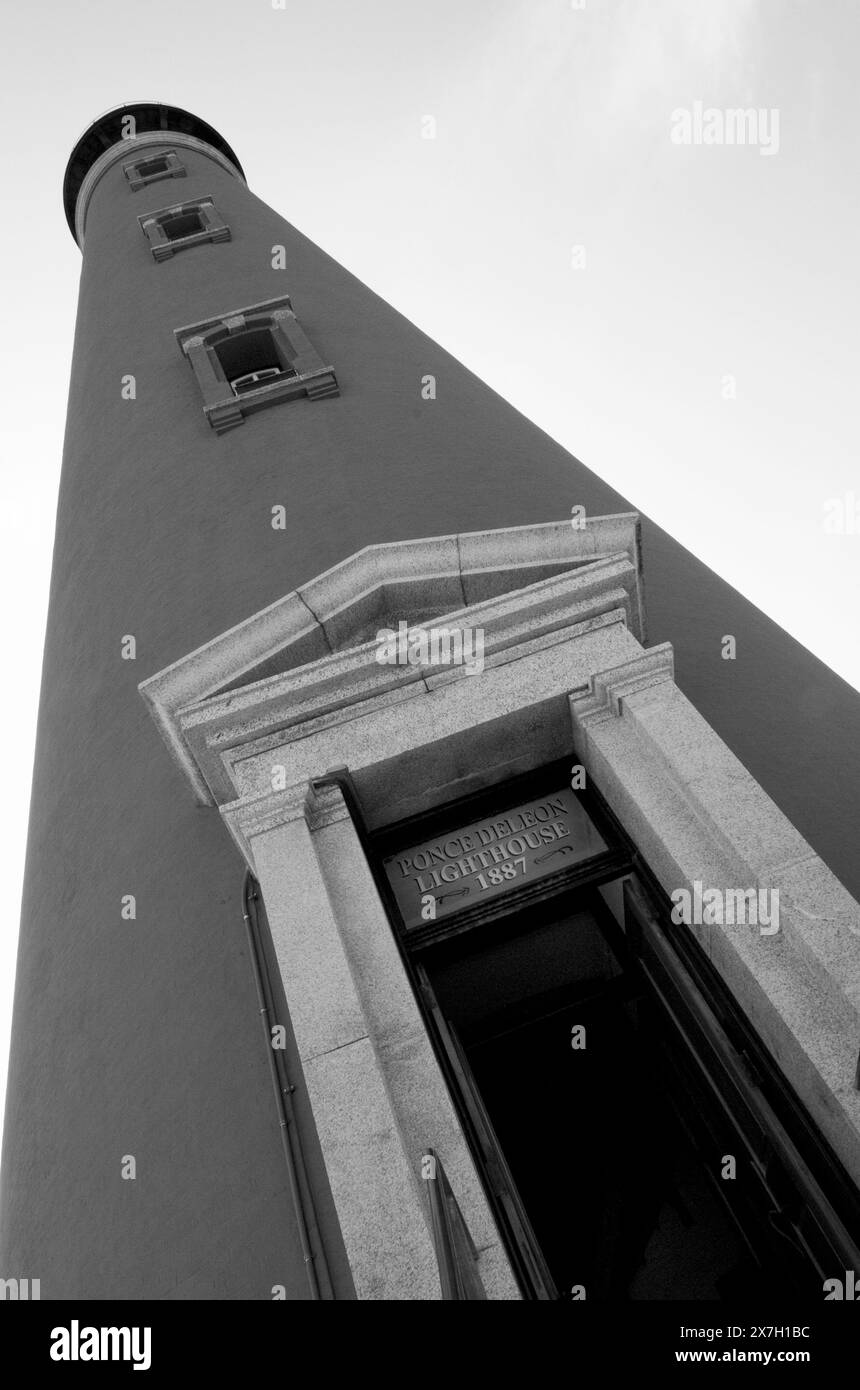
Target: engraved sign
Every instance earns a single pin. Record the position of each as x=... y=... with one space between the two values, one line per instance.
x=483 y=859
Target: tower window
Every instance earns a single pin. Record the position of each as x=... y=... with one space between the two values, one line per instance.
x=251 y=359
x=152 y=166
x=182 y=225
x=164 y=165
x=185 y=224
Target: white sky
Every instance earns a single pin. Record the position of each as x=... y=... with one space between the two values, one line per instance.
x=553 y=131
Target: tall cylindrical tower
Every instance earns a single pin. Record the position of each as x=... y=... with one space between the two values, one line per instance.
x=244 y=415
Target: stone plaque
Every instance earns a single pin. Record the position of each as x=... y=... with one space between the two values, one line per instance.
x=483 y=859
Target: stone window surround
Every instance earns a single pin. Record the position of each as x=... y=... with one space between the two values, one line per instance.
x=682 y=796
x=214 y=227
x=149 y=142
x=175 y=169
x=222 y=407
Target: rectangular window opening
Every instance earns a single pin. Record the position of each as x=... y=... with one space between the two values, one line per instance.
x=182 y=224
x=147 y=167
x=251 y=360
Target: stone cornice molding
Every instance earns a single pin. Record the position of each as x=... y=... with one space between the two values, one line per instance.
x=309 y=652
x=318 y=807
x=348 y=685
x=325 y=806
x=266 y=812
x=608 y=689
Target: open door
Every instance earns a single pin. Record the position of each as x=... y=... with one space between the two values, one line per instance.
x=635 y=1138
x=790 y=1197
x=631 y=1140
x=519 y=1237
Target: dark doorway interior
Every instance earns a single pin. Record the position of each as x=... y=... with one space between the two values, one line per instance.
x=614 y=1153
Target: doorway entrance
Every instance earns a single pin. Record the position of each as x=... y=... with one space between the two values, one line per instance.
x=634 y=1137
x=568 y=1062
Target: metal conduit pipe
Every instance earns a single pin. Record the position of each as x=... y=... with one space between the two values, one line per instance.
x=296 y=1171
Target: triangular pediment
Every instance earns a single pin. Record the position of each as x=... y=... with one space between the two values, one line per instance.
x=321 y=636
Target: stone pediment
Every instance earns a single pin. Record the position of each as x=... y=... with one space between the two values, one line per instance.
x=314 y=651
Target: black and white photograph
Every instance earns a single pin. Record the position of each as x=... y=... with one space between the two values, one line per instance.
x=430 y=522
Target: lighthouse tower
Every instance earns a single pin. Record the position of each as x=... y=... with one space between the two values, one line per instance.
x=369 y=712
